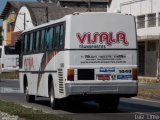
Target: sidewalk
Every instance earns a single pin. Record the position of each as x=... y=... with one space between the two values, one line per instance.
x=5 y=116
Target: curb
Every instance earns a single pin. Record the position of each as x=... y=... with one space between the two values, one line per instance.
x=151 y=97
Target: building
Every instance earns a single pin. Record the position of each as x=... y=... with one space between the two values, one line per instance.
x=18 y=16
x=33 y=14
x=147 y=16
x=90 y=4
x=9 y=17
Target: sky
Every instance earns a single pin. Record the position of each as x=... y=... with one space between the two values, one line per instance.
x=3 y=3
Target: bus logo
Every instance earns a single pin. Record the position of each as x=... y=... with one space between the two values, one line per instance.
x=103 y=37
x=28 y=63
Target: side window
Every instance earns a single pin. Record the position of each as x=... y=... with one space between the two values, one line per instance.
x=34 y=41
x=25 y=43
x=47 y=38
x=31 y=42
x=0 y=52
x=37 y=40
x=53 y=37
x=61 y=37
x=22 y=43
x=57 y=37
x=42 y=40
x=28 y=41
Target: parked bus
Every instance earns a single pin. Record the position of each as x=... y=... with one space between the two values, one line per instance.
x=86 y=56
x=0 y=57
x=9 y=59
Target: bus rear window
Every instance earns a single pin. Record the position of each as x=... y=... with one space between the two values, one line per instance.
x=10 y=50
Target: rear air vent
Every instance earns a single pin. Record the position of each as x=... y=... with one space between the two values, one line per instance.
x=60 y=78
x=85 y=74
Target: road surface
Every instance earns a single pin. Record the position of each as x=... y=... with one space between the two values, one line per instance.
x=129 y=108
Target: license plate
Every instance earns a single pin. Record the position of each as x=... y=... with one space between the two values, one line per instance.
x=124 y=77
x=103 y=77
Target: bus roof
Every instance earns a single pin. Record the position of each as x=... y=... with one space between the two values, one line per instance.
x=65 y=18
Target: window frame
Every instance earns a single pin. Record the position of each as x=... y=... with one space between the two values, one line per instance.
x=140 y=22
x=151 y=20
x=41 y=47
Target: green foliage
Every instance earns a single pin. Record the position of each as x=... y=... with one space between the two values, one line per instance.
x=27 y=113
x=9 y=75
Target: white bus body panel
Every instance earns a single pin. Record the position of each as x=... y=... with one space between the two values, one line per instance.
x=98 y=41
x=0 y=58
x=97 y=25
x=9 y=62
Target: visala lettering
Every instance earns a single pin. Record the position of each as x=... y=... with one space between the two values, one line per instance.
x=102 y=38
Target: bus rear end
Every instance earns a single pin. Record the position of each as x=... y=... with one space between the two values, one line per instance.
x=9 y=59
x=101 y=62
x=0 y=58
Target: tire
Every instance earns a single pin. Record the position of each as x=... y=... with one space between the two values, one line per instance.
x=54 y=103
x=110 y=105
x=29 y=98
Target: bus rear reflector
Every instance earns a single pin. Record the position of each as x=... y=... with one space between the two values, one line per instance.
x=134 y=74
x=70 y=74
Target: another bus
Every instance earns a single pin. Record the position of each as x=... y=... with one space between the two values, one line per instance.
x=86 y=56
x=9 y=59
x=0 y=57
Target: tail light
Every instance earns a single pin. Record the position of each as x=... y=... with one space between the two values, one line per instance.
x=134 y=73
x=70 y=74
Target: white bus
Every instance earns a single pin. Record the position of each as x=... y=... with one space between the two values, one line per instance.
x=0 y=57
x=9 y=59
x=91 y=56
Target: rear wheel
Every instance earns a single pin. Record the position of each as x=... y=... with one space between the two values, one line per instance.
x=110 y=105
x=29 y=98
x=54 y=103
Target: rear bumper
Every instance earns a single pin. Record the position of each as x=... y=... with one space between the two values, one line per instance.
x=123 y=89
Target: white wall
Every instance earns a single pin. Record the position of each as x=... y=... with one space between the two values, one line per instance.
x=136 y=8
x=115 y=5
x=19 y=26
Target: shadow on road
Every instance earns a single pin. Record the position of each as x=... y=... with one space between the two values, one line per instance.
x=92 y=107
x=85 y=107
x=135 y=107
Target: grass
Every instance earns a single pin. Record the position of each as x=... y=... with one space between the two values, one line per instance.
x=149 y=80
x=149 y=93
x=27 y=113
x=10 y=75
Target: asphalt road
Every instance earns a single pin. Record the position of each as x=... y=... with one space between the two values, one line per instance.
x=129 y=108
